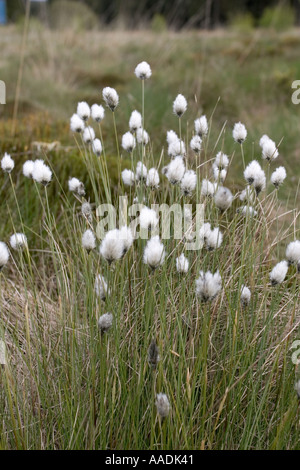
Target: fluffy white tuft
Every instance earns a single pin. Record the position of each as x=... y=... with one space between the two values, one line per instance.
x=239 y=132
x=208 y=285
x=179 y=105
x=278 y=176
x=110 y=97
x=18 y=241
x=76 y=186
x=279 y=272
x=97 y=112
x=83 y=110
x=188 y=182
x=175 y=170
x=128 y=142
x=128 y=177
x=88 y=135
x=28 y=168
x=162 y=405
x=105 y=322
x=196 y=144
x=101 y=287
x=152 y=178
x=223 y=198
x=148 y=218
x=135 y=121
x=41 y=172
x=7 y=163
x=4 y=254
x=76 y=123
x=182 y=264
x=143 y=70
x=292 y=252
x=154 y=253
x=97 y=147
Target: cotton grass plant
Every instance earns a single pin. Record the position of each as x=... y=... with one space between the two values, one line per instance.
x=123 y=343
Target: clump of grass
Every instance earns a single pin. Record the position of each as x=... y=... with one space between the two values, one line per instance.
x=157 y=341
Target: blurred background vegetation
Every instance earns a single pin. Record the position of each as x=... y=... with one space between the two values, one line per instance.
x=236 y=59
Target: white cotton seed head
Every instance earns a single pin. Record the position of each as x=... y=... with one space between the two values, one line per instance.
x=110 y=97
x=223 y=198
x=105 y=322
x=88 y=240
x=247 y=194
x=143 y=70
x=207 y=188
x=152 y=178
x=148 y=218
x=221 y=161
x=259 y=183
x=293 y=252
x=154 y=253
x=41 y=172
x=196 y=144
x=263 y=139
x=126 y=236
x=176 y=148
x=4 y=255
x=142 y=136
x=153 y=354
x=128 y=142
x=7 y=163
x=245 y=295
x=83 y=110
x=175 y=170
x=278 y=176
x=239 y=132
x=88 y=135
x=112 y=246
x=162 y=405
x=208 y=285
x=187 y=214
x=97 y=112
x=28 y=168
x=247 y=211
x=76 y=186
x=182 y=264
x=18 y=241
x=201 y=126
x=279 y=272
x=97 y=147
x=269 y=150
x=101 y=287
x=76 y=123
x=86 y=210
x=128 y=177
x=214 y=239
x=219 y=175
x=135 y=121
x=141 y=171
x=188 y=182
x=179 y=105
x=171 y=137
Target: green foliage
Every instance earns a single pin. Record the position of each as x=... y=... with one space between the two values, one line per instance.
x=158 y=23
x=280 y=18
x=77 y=16
x=242 y=22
